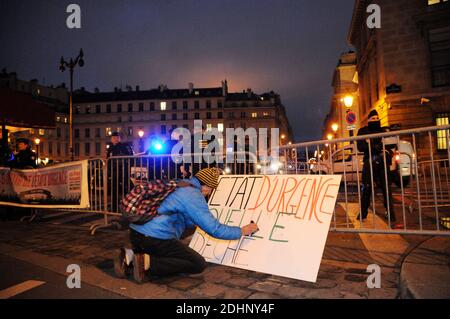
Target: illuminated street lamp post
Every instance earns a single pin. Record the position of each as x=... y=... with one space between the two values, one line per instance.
x=348 y=100
x=71 y=65
x=141 y=144
x=36 y=142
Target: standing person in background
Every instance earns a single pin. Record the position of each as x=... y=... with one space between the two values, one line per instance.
x=378 y=166
x=25 y=158
x=118 y=170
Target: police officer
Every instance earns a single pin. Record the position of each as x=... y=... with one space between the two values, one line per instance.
x=118 y=170
x=378 y=166
x=117 y=148
x=25 y=157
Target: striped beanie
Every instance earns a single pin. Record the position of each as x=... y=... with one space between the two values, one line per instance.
x=209 y=176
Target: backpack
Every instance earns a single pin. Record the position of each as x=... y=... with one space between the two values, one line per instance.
x=141 y=204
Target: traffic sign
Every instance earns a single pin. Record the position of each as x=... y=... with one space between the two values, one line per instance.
x=350 y=117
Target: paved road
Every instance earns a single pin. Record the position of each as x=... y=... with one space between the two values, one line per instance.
x=21 y=280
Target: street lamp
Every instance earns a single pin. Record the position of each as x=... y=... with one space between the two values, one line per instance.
x=71 y=65
x=141 y=144
x=348 y=100
x=37 y=141
x=334 y=127
x=330 y=137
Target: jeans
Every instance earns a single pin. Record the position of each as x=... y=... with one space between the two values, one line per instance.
x=167 y=256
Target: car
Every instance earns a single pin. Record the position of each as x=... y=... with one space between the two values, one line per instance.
x=349 y=162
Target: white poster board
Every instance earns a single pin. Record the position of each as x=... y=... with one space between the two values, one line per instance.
x=293 y=213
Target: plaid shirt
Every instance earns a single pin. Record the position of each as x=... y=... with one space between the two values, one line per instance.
x=141 y=204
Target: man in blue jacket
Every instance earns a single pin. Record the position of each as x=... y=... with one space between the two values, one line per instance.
x=157 y=249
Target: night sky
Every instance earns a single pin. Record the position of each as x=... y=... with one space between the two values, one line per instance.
x=288 y=46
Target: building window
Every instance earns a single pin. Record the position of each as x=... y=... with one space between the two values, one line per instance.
x=254 y=114
x=152 y=106
x=97 y=132
x=185 y=116
x=162 y=106
x=88 y=109
x=77 y=149
x=219 y=103
x=141 y=107
x=266 y=114
x=220 y=127
x=443 y=136
x=185 y=105
x=130 y=107
x=66 y=131
x=208 y=104
x=58 y=132
x=208 y=115
x=163 y=117
x=50 y=148
x=208 y=126
x=196 y=105
x=58 y=148
x=220 y=115
x=77 y=133
x=87 y=149
x=433 y=2
x=77 y=110
x=174 y=105
x=67 y=149
x=65 y=119
x=119 y=108
x=98 y=149
x=243 y=114
x=108 y=108
x=58 y=119
x=98 y=108
x=174 y=116
x=439 y=42
x=130 y=131
x=197 y=116
x=163 y=129
x=87 y=132
x=41 y=132
x=186 y=126
x=108 y=131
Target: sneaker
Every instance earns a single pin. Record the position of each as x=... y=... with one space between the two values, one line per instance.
x=121 y=268
x=139 y=268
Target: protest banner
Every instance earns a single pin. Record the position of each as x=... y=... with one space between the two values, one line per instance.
x=293 y=213
x=58 y=186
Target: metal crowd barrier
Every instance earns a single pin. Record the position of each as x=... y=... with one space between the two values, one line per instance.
x=416 y=182
x=122 y=172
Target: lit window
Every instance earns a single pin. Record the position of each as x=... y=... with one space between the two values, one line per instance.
x=432 y=2
x=197 y=93
x=58 y=119
x=163 y=106
x=254 y=114
x=442 y=135
x=266 y=114
x=65 y=120
x=108 y=131
x=220 y=127
x=41 y=131
x=208 y=126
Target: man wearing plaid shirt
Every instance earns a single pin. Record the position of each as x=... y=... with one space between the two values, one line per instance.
x=157 y=249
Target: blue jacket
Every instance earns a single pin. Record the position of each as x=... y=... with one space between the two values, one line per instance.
x=186 y=207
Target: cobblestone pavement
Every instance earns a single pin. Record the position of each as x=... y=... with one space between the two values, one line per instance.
x=342 y=273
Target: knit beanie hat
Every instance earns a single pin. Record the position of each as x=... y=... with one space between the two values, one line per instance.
x=373 y=113
x=209 y=176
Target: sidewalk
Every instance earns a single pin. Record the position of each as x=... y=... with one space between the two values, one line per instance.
x=425 y=273
x=342 y=273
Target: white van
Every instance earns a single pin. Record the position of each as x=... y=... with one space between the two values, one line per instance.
x=348 y=162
